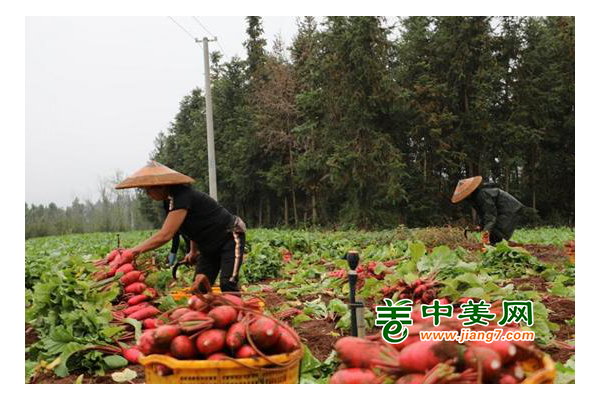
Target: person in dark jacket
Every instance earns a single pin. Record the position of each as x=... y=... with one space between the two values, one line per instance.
x=498 y=211
x=217 y=237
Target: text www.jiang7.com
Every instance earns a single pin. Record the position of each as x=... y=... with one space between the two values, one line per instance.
x=484 y=336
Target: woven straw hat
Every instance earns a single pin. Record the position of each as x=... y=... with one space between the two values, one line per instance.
x=465 y=187
x=154 y=174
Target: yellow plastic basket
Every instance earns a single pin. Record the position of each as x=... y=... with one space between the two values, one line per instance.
x=187 y=293
x=203 y=371
x=540 y=370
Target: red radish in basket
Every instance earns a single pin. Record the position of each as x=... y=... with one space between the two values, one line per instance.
x=264 y=332
x=211 y=341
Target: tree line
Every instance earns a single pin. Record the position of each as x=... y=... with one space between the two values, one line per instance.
x=114 y=211
x=365 y=122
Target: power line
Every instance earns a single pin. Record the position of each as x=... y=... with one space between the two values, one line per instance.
x=210 y=34
x=203 y=27
x=183 y=29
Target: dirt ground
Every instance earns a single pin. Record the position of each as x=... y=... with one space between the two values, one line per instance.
x=548 y=254
x=562 y=310
x=316 y=335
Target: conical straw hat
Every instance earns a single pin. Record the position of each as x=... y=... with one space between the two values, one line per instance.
x=465 y=187
x=154 y=174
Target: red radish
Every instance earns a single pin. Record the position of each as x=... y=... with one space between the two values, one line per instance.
x=264 y=332
x=132 y=354
x=419 y=291
x=236 y=336
x=411 y=379
x=132 y=309
x=135 y=288
x=246 y=351
x=195 y=303
x=488 y=359
x=233 y=299
x=175 y=315
x=146 y=342
x=165 y=334
x=116 y=261
x=211 y=341
x=444 y=301
x=422 y=356
x=353 y=375
x=146 y=312
x=111 y=256
x=151 y=323
x=137 y=299
x=125 y=269
x=416 y=283
x=130 y=278
x=223 y=316
x=506 y=350
x=217 y=357
x=408 y=341
x=361 y=353
x=507 y=379
x=192 y=316
x=142 y=278
x=182 y=347
x=287 y=343
x=126 y=257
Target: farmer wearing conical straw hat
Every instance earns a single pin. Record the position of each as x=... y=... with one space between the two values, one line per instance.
x=217 y=237
x=497 y=210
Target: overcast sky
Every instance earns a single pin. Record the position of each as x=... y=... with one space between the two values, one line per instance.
x=99 y=89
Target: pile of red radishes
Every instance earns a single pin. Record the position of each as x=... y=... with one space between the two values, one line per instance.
x=365 y=271
x=372 y=360
x=137 y=295
x=215 y=327
x=420 y=291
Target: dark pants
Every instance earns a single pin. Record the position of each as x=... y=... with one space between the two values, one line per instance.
x=497 y=236
x=228 y=261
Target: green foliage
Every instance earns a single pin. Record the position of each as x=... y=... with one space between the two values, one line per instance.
x=314 y=371
x=565 y=373
x=510 y=262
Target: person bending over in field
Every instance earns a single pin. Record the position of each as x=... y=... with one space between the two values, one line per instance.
x=217 y=237
x=498 y=211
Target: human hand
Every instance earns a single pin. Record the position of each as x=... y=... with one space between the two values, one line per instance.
x=190 y=257
x=485 y=238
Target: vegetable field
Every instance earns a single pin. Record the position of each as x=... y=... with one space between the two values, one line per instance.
x=74 y=332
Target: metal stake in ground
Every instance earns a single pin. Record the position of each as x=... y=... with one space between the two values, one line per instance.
x=352 y=258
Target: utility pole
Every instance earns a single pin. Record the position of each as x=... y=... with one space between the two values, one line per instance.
x=210 y=135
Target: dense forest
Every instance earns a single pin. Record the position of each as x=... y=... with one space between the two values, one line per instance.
x=366 y=122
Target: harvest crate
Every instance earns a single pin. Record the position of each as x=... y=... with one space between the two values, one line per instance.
x=187 y=292
x=540 y=370
x=203 y=371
